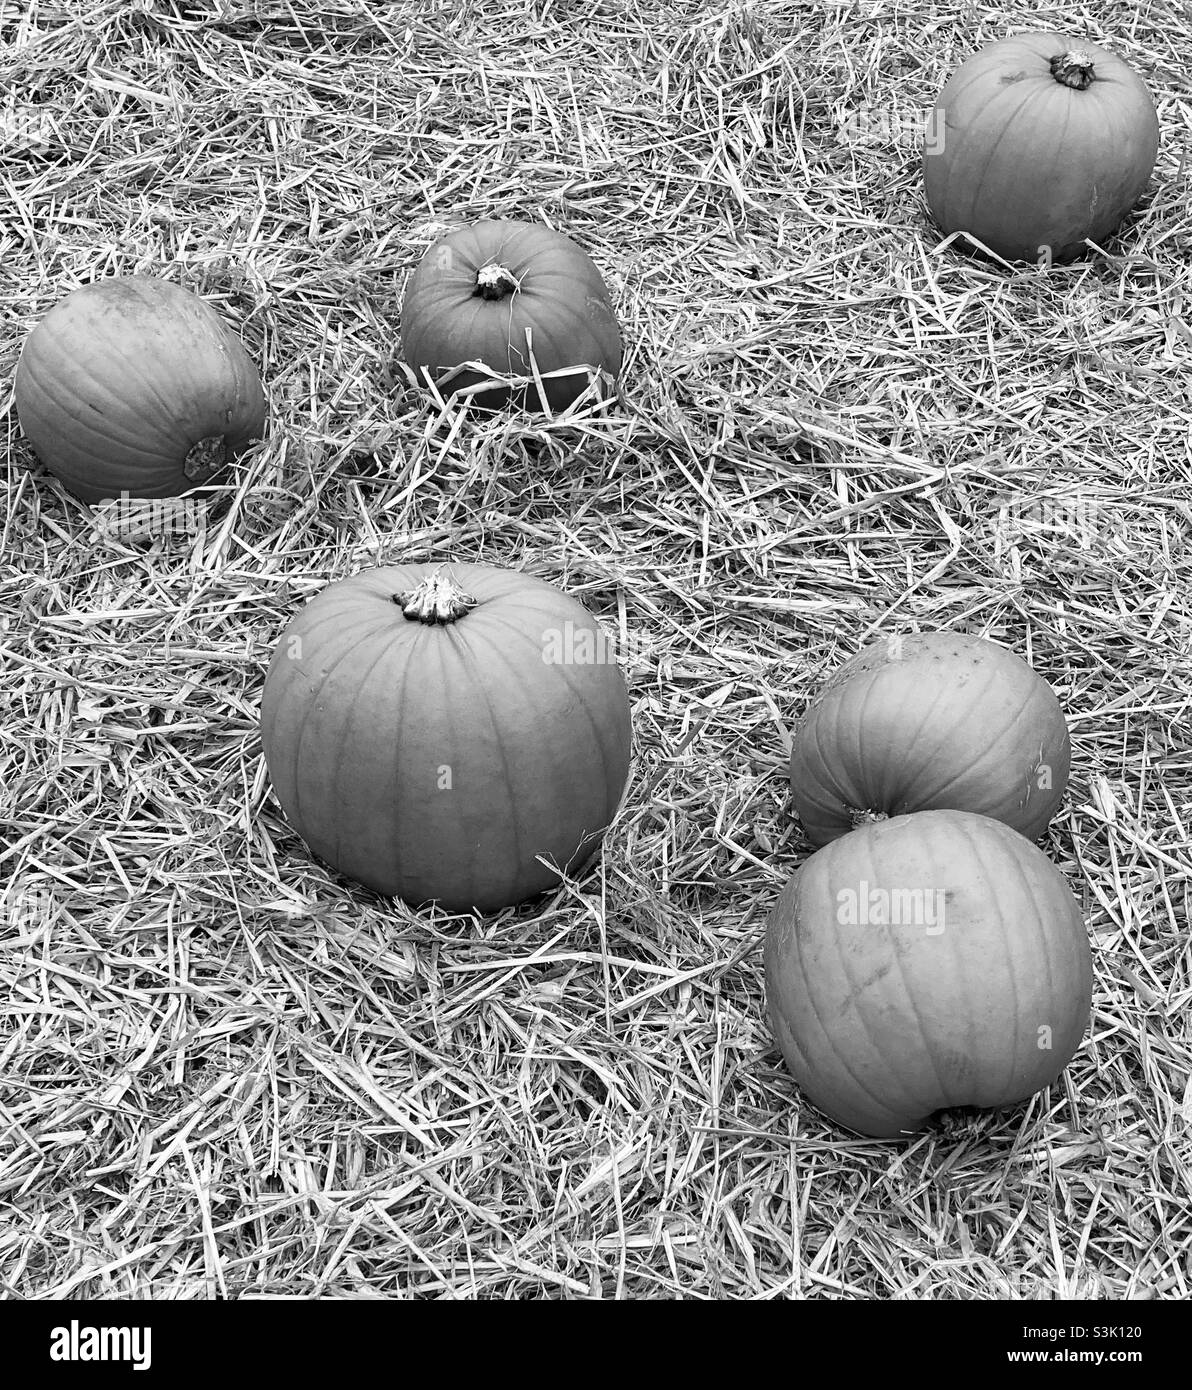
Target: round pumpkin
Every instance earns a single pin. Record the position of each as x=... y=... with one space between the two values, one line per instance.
x=510 y=295
x=436 y=732
x=133 y=386
x=1039 y=141
x=930 y=721
x=929 y=961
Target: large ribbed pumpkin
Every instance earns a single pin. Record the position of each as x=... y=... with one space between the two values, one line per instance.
x=134 y=386
x=1039 y=141
x=513 y=296
x=930 y=721
x=925 y=962
x=436 y=731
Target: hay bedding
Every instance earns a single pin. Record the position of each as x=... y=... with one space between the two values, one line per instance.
x=228 y=1074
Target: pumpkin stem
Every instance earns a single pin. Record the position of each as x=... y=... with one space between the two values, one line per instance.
x=206 y=457
x=495 y=282
x=860 y=818
x=437 y=599
x=1074 y=69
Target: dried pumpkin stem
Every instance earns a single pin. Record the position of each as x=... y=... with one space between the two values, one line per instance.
x=206 y=457
x=1074 y=69
x=495 y=282
x=437 y=599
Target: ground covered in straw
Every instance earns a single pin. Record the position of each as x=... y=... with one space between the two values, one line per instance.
x=226 y=1072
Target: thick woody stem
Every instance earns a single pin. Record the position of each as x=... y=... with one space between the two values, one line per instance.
x=495 y=282
x=437 y=599
x=1074 y=69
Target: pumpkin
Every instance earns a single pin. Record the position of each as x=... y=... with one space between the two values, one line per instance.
x=1039 y=141
x=930 y=961
x=437 y=732
x=930 y=721
x=514 y=296
x=133 y=386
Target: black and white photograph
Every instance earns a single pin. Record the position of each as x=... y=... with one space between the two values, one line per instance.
x=595 y=665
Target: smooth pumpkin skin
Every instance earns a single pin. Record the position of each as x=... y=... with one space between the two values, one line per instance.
x=930 y=721
x=883 y=1023
x=562 y=299
x=437 y=762
x=123 y=378
x=1027 y=161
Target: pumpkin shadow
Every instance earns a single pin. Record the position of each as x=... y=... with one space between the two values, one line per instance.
x=485 y=392
x=142 y=522
x=960 y=1121
x=427 y=913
